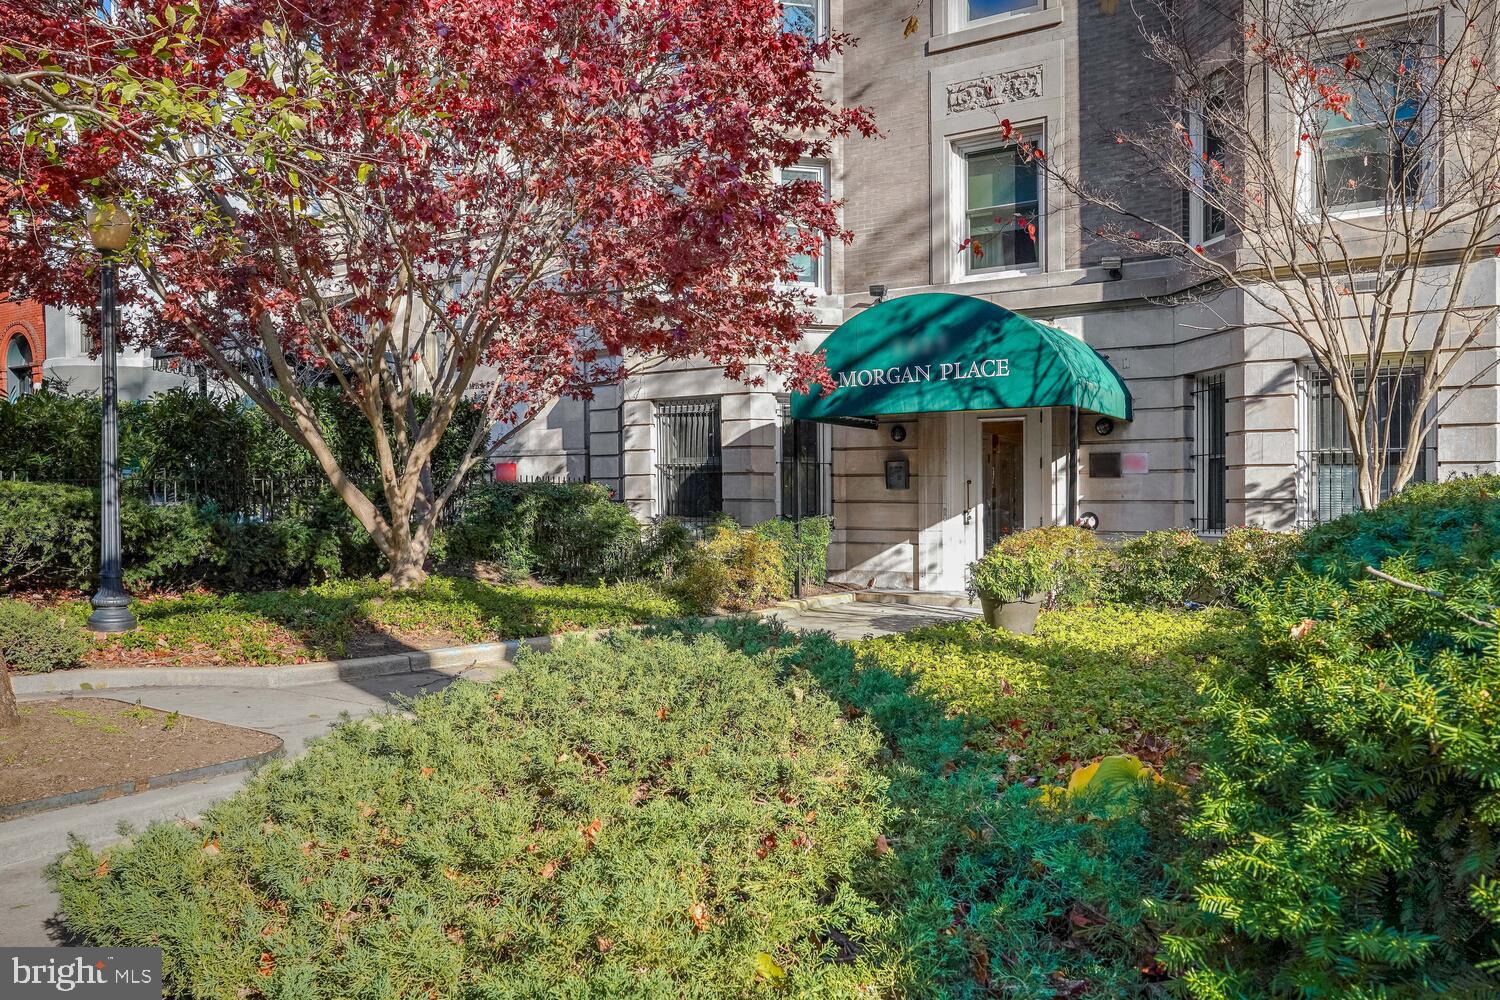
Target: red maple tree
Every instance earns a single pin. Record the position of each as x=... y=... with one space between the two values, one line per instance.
x=492 y=202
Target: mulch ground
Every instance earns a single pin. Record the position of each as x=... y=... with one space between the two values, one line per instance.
x=72 y=744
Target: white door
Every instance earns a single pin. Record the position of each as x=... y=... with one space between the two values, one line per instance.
x=989 y=489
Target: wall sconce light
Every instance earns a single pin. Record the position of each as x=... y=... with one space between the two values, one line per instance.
x=1114 y=267
x=877 y=292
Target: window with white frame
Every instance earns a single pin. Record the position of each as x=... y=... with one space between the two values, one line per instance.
x=1207 y=221
x=807 y=269
x=1332 y=478
x=965 y=12
x=805 y=17
x=1374 y=156
x=1002 y=208
x=1210 y=446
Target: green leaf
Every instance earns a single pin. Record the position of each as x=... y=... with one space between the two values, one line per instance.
x=60 y=88
x=236 y=80
x=365 y=169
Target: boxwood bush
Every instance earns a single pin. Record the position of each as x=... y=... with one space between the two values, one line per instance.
x=1059 y=566
x=1172 y=568
x=638 y=818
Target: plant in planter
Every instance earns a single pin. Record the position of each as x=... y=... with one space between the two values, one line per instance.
x=1035 y=569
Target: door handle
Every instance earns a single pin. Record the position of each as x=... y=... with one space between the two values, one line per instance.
x=968 y=507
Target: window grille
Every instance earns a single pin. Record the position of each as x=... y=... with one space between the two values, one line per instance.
x=1333 y=478
x=802 y=468
x=1210 y=507
x=690 y=478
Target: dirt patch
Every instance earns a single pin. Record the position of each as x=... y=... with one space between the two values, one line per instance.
x=73 y=744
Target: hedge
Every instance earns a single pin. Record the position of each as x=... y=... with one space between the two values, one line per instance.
x=221 y=451
x=49 y=536
x=642 y=818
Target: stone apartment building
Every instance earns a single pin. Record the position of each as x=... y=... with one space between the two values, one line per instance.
x=1173 y=415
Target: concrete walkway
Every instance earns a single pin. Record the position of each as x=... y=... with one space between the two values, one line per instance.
x=297 y=714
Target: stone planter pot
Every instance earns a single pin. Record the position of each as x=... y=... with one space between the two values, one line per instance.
x=1013 y=616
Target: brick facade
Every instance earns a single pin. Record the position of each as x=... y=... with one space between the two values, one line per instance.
x=24 y=319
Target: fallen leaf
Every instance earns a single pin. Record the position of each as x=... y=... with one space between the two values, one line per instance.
x=766 y=967
x=661 y=713
x=267 y=963
x=211 y=847
x=1300 y=630
x=698 y=913
x=591 y=831
x=603 y=943
x=428 y=772
x=549 y=869
x=911 y=27
x=882 y=846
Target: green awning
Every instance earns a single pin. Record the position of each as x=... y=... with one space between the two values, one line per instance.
x=934 y=352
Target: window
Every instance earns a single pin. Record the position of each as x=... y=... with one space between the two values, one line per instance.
x=978 y=10
x=690 y=477
x=803 y=468
x=1210 y=505
x=1207 y=221
x=808 y=270
x=18 y=368
x=1002 y=210
x=1373 y=158
x=1328 y=458
x=803 y=17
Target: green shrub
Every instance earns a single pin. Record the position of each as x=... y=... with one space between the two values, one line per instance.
x=811 y=555
x=555 y=531
x=1433 y=525
x=1349 y=818
x=1059 y=565
x=632 y=819
x=48 y=536
x=982 y=892
x=666 y=543
x=49 y=539
x=1172 y=568
x=38 y=641
x=214 y=448
x=735 y=569
x=1093 y=681
x=701 y=582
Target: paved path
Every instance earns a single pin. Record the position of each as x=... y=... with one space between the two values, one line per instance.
x=296 y=714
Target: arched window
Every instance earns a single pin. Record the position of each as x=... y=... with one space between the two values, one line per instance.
x=18 y=367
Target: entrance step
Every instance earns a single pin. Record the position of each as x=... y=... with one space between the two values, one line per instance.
x=919 y=598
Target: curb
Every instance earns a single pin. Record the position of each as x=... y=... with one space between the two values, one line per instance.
x=114 y=791
x=450 y=660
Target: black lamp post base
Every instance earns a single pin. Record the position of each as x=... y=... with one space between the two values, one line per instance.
x=111 y=613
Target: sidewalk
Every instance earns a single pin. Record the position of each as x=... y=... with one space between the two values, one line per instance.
x=296 y=714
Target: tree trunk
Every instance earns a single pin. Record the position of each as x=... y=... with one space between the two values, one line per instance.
x=407 y=555
x=10 y=715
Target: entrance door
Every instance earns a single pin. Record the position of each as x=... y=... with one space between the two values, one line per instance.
x=1002 y=491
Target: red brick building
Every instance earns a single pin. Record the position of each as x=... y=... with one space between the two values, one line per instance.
x=23 y=346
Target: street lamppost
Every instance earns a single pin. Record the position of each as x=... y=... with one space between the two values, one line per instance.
x=109 y=228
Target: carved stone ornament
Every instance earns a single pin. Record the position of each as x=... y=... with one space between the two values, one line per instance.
x=995 y=89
